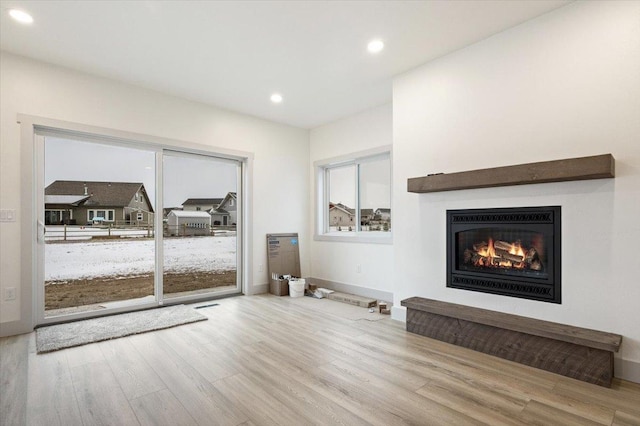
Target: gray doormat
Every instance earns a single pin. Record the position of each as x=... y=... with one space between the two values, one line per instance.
x=55 y=337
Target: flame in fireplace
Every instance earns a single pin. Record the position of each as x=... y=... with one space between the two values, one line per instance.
x=504 y=254
x=516 y=249
x=488 y=254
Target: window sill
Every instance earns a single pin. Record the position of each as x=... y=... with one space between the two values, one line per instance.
x=353 y=237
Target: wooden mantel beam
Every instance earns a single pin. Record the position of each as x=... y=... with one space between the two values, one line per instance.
x=583 y=168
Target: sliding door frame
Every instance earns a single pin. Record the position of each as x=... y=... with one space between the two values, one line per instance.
x=33 y=130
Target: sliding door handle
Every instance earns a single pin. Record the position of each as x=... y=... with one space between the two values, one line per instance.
x=42 y=230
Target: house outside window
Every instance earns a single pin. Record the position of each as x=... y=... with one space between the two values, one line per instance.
x=351 y=193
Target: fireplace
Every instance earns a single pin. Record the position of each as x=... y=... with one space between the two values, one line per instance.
x=509 y=251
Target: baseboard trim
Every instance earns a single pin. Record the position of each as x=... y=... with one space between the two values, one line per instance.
x=14 y=328
x=352 y=289
x=626 y=370
x=258 y=289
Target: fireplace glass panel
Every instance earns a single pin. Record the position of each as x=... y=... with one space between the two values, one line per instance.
x=514 y=252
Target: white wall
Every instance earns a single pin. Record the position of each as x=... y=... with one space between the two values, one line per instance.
x=566 y=84
x=336 y=261
x=39 y=89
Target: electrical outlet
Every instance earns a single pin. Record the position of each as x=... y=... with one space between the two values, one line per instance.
x=10 y=293
x=358 y=268
x=260 y=267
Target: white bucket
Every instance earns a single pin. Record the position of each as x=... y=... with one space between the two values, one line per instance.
x=296 y=287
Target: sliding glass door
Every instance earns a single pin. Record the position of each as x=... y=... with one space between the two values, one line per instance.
x=99 y=247
x=200 y=248
x=126 y=225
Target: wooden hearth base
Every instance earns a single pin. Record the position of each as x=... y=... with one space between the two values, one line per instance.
x=575 y=352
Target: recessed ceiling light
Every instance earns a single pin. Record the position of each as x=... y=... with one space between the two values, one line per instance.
x=375 y=46
x=21 y=16
x=276 y=98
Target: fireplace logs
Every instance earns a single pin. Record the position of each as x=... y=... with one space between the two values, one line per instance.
x=502 y=254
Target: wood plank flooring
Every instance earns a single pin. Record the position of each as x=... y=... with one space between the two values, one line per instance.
x=267 y=360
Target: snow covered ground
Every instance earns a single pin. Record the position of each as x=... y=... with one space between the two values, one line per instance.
x=117 y=258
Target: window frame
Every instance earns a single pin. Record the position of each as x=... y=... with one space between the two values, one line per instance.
x=322 y=218
x=108 y=213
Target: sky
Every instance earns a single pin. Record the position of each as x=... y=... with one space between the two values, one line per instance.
x=192 y=176
x=375 y=185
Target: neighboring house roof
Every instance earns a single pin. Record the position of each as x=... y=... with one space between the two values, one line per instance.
x=202 y=201
x=346 y=210
x=72 y=200
x=229 y=196
x=167 y=210
x=384 y=210
x=101 y=194
x=189 y=213
x=218 y=211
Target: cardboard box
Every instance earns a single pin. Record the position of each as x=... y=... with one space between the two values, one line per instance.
x=352 y=299
x=279 y=287
x=283 y=257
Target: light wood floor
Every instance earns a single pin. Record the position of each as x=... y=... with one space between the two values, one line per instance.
x=266 y=360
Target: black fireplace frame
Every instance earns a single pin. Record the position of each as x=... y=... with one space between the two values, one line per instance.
x=545 y=220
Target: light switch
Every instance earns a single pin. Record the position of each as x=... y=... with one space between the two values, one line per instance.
x=7 y=215
x=10 y=293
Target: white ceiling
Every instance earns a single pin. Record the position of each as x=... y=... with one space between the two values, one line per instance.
x=235 y=54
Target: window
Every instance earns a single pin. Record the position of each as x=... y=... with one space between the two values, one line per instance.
x=353 y=201
x=140 y=216
x=105 y=215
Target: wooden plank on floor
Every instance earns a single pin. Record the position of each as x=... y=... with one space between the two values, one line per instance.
x=51 y=397
x=134 y=374
x=539 y=414
x=100 y=398
x=615 y=398
x=403 y=403
x=259 y=405
x=13 y=379
x=200 y=356
x=625 y=419
x=161 y=408
x=477 y=402
x=201 y=399
x=306 y=402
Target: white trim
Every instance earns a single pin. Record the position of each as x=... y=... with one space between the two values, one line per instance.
x=88 y=133
x=626 y=369
x=380 y=295
x=158 y=224
x=322 y=220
